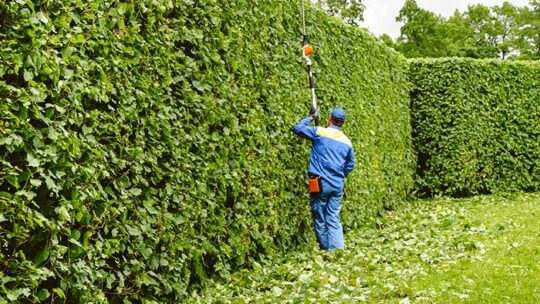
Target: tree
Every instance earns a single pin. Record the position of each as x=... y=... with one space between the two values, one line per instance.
x=421 y=33
x=495 y=30
x=482 y=33
x=351 y=11
x=506 y=28
x=528 y=33
x=457 y=36
x=504 y=32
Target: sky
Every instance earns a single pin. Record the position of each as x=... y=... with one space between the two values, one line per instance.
x=380 y=15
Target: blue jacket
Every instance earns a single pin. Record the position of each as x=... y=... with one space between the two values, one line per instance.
x=332 y=153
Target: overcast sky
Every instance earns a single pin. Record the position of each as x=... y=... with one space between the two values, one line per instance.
x=380 y=15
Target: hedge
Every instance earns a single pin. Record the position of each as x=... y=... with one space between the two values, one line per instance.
x=476 y=126
x=146 y=146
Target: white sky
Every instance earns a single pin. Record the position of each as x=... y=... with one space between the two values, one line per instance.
x=380 y=15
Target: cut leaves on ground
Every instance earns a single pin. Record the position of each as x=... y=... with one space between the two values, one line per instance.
x=481 y=249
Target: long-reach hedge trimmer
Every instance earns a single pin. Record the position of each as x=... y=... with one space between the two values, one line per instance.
x=307 y=51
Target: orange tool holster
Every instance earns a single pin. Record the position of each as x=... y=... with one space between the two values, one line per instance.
x=314 y=184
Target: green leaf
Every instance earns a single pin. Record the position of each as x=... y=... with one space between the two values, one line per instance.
x=35 y=182
x=32 y=161
x=154 y=262
x=133 y=230
x=63 y=213
x=28 y=194
x=41 y=17
x=43 y=294
x=75 y=234
x=59 y=292
x=53 y=135
x=13 y=180
x=28 y=75
x=66 y=53
x=42 y=256
x=15 y=294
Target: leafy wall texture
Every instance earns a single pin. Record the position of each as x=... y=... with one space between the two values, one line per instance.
x=476 y=125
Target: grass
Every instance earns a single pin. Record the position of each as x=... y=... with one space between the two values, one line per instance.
x=479 y=250
x=508 y=270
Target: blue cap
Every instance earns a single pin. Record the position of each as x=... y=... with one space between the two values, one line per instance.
x=338 y=114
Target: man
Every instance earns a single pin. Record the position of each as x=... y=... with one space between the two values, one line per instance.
x=331 y=160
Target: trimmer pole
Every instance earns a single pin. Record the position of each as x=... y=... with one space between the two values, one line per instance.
x=308 y=51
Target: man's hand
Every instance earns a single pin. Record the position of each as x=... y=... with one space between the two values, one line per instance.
x=314 y=113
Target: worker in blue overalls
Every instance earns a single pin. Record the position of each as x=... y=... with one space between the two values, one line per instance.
x=331 y=160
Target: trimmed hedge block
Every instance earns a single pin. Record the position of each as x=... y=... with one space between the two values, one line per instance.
x=476 y=126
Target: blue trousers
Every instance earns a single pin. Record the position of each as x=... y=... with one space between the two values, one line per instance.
x=325 y=209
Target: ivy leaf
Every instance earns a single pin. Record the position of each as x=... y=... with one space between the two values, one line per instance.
x=42 y=256
x=35 y=182
x=133 y=230
x=63 y=213
x=28 y=194
x=59 y=292
x=41 y=17
x=154 y=262
x=32 y=161
x=43 y=294
x=13 y=180
x=52 y=134
x=28 y=75
x=14 y=294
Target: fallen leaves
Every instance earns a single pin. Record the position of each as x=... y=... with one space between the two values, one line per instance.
x=379 y=265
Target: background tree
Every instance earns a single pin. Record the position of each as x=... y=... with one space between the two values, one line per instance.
x=506 y=27
x=528 y=33
x=421 y=34
x=351 y=11
x=481 y=33
x=457 y=36
x=504 y=32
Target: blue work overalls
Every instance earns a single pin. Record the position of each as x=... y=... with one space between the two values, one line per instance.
x=332 y=158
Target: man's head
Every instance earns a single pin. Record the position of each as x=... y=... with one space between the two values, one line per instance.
x=337 y=117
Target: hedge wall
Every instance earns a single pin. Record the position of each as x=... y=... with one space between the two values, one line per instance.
x=476 y=125
x=146 y=146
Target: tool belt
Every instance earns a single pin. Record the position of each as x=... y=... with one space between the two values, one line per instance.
x=314 y=184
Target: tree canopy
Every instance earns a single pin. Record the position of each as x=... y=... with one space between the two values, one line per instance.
x=351 y=11
x=505 y=32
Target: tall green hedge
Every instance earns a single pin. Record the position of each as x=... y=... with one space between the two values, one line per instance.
x=146 y=146
x=476 y=125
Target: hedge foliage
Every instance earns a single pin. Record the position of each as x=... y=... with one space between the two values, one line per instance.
x=476 y=125
x=146 y=146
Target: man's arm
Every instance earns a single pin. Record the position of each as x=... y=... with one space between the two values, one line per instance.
x=303 y=129
x=349 y=162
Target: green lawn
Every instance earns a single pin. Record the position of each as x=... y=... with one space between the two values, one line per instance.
x=479 y=250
